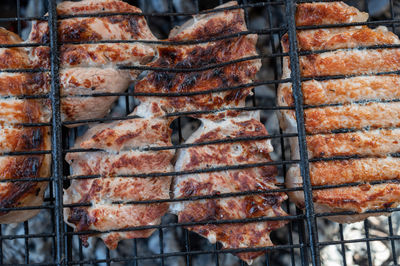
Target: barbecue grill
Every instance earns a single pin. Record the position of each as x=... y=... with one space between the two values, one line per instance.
x=299 y=241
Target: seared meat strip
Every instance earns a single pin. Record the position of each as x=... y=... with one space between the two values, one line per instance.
x=371 y=123
x=332 y=91
x=92 y=68
x=202 y=27
x=371 y=142
x=231 y=235
x=309 y=14
x=122 y=143
x=15 y=137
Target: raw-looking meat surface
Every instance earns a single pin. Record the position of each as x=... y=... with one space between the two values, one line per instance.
x=15 y=137
x=122 y=143
x=357 y=105
x=92 y=68
x=202 y=55
x=231 y=235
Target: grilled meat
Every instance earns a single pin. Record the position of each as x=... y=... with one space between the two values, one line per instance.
x=90 y=68
x=309 y=14
x=231 y=235
x=122 y=144
x=14 y=137
x=361 y=103
x=202 y=55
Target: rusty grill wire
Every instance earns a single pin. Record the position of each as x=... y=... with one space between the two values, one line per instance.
x=303 y=224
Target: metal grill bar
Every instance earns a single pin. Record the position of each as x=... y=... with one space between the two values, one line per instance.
x=178 y=254
x=366 y=228
x=394 y=253
x=1 y=244
x=304 y=162
x=56 y=137
x=342 y=244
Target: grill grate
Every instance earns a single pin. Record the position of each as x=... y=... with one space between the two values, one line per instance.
x=301 y=235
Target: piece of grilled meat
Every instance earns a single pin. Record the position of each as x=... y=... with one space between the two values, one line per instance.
x=361 y=103
x=122 y=143
x=231 y=235
x=15 y=137
x=205 y=54
x=89 y=68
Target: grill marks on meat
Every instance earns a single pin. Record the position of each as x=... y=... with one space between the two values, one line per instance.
x=232 y=235
x=216 y=126
x=379 y=142
x=92 y=68
x=309 y=14
x=121 y=142
x=202 y=55
x=16 y=138
x=375 y=123
x=362 y=88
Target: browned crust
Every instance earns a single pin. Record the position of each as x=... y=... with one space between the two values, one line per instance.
x=365 y=61
x=360 y=198
x=382 y=87
x=236 y=235
x=118 y=138
x=216 y=154
x=354 y=170
x=24 y=193
x=14 y=111
x=98 y=6
x=378 y=143
x=81 y=30
x=373 y=143
x=90 y=55
x=309 y=14
x=12 y=57
x=341 y=38
x=200 y=56
x=86 y=219
x=374 y=115
x=125 y=162
x=17 y=138
x=24 y=84
x=260 y=178
x=22 y=138
x=93 y=58
x=128 y=133
x=214 y=24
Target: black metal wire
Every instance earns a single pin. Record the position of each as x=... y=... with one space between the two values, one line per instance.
x=178 y=254
x=56 y=136
x=392 y=243
x=343 y=247
x=1 y=244
x=366 y=228
x=304 y=162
